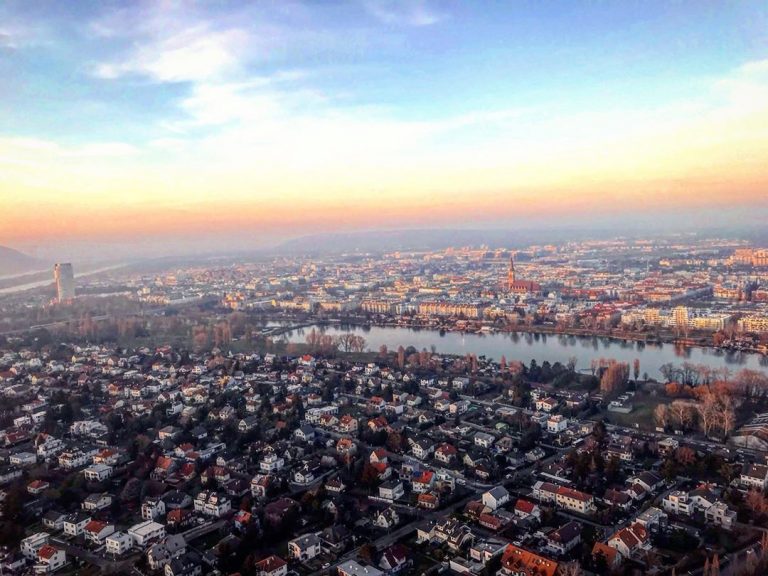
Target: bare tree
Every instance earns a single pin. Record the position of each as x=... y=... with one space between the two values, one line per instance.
x=681 y=412
x=727 y=415
x=707 y=409
x=346 y=341
x=359 y=344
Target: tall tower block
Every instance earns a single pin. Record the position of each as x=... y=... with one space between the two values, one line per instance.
x=65 y=281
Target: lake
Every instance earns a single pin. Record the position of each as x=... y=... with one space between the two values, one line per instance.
x=553 y=348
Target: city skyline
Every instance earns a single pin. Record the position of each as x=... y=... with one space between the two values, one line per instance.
x=168 y=124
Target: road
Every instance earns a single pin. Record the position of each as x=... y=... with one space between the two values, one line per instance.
x=203 y=529
x=106 y=565
x=397 y=534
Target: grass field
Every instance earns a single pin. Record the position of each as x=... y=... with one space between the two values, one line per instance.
x=642 y=415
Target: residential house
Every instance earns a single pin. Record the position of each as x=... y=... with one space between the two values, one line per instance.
x=386 y=518
x=146 y=532
x=74 y=524
x=353 y=568
x=423 y=482
x=212 y=503
x=446 y=453
x=163 y=552
x=152 y=508
x=630 y=541
x=304 y=547
x=564 y=539
x=423 y=448
x=394 y=559
x=496 y=497
x=94 y=502
x=428 y=500
x=118 y=543
x=31 y=544
x=97 y=472
x=520 y=562
x=754 y=476
x=526 y=509
x=392 y=490
x=54 y=520
x=97 y=532
x=50 y=559
x=272 y=566
x=484 y=440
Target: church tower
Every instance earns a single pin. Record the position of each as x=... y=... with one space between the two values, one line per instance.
x=511 y=274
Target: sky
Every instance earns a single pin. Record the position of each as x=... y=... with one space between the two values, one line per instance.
x=175 y=125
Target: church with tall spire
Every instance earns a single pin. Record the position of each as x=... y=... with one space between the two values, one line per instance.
x=516 y=286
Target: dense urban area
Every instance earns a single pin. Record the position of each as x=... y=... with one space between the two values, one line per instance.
x=303 y=416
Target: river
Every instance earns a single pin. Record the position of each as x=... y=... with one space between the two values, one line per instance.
x=553 y=348
x=49 y=281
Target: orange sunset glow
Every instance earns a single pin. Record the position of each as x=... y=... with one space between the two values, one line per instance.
x=207 y=139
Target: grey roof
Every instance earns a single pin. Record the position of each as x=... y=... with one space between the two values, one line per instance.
x=498 y=492
x=306 y=540
x=355 y=569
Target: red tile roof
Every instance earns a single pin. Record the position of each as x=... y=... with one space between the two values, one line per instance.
x=47 y=552
x=525 y=563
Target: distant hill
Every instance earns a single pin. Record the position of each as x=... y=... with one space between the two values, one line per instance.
x=15 y=262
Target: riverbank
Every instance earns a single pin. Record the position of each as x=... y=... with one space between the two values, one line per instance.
x=540 y=346
x=703 y=340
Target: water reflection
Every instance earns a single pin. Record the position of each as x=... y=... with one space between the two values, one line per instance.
x=524 y=347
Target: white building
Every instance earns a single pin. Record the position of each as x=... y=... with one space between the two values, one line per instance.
x=74 y=524
x=557 y=424
x=23 y=459
x=353 y=568
x=49 y=559
x=97 y=532
x=31 y=544
x=754 y=476
x=304 y=547
x=152 y=508
x=97 y=502
x=145 y=532
x=271 y=463
x=118 y=543
x=97 y=472
x=496 y=497
x=49 y=446
x=392 y=490
x=212 y=504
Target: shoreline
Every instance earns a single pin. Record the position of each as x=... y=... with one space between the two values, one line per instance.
x=662 y=339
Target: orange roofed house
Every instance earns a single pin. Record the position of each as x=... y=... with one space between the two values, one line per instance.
x=519 y=562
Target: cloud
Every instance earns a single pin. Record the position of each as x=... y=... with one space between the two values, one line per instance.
x=404 y=12
x=181 y=42
x=192 y=54
x=7 y=41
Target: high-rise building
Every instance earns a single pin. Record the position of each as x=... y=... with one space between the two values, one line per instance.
x=65 y=281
